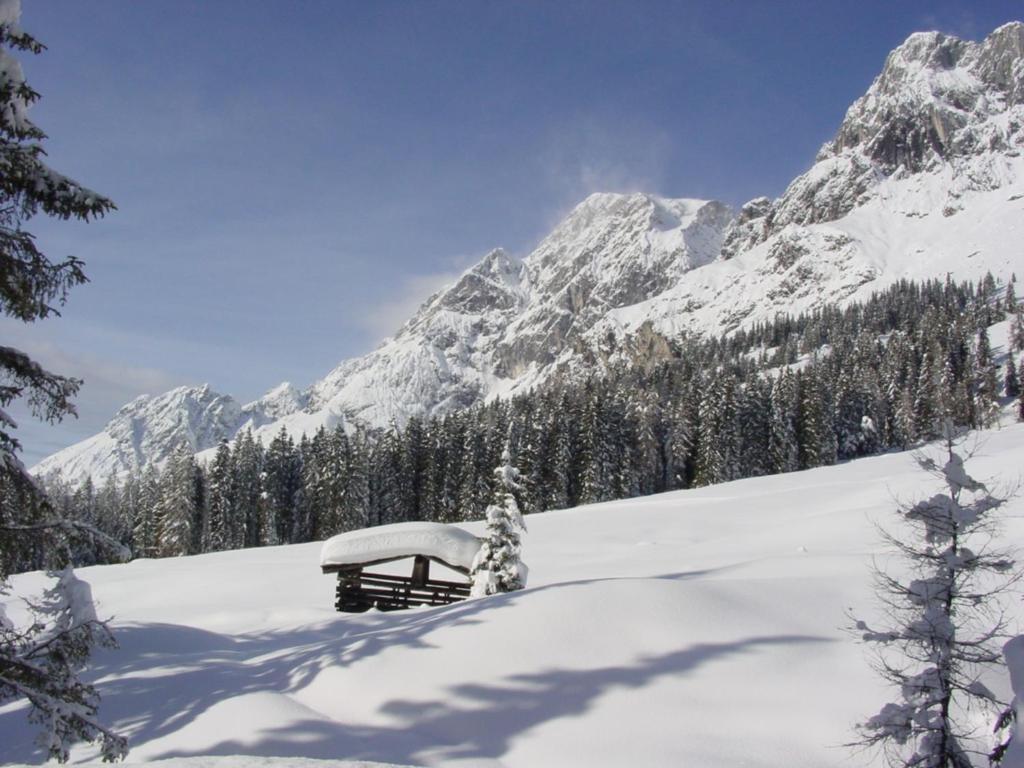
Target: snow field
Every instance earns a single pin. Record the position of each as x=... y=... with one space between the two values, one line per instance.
x=700 y=627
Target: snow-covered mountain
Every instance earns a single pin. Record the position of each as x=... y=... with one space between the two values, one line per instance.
x=924 y=178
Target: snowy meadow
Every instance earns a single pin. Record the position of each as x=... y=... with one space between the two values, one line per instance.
x=698 y=627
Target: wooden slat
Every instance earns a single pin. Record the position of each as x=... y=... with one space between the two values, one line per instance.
x=384 y=578
x=358 y=591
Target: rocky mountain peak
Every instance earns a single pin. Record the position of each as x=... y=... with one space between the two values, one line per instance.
x=492 y=283
x=931 y=88
x=938 y=102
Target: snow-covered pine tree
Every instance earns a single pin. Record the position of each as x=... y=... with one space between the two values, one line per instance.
x=986 y=382
x=40 y=661
x=497 y=567
x=1017 y=332
x=680 y=418
x=220 y=504
x=1011 y=381
x=557 y=457
x=643 y=413
x=248 y=474
x=282 y=480
x=176 y=508
x=354 y=496
x=394 y=488
x=1010 y=301
x=929 y=403
x=783 y=447
x=415 y=469
x=716 y=436
x=111 y=510
x=317 y=512
x=146 y=528
x=448 y=487
x=943 y=622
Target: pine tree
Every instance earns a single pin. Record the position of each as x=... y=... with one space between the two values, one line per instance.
x=783 y=447
x=317 y=512
x=41 y=660
x=716 y=436
x=394 y=487
x=356 y=504
x=497 y=567
x=813 y=429
x=248 y=490
x=220 y=502
x=679 y=438
x=1011 y=381
x=928 y=403
x=146 y=529
x=111 y=511
x=557 y=461
x=415 y=461
x=986 y=381
x=176 y=509
x=1017 y=332
x=943 y=623
x=753 y=418
x=282 y=483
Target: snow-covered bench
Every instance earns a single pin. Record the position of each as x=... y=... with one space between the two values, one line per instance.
x=349 y=553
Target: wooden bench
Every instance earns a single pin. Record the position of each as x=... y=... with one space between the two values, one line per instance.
x=359 y=590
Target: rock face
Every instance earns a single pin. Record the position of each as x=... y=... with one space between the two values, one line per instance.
x=939 y=101
x=923 y=179
x=148 y=429
x=506 y=320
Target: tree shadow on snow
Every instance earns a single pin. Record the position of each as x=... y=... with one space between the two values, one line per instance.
x=478 y=722
x=164 y=676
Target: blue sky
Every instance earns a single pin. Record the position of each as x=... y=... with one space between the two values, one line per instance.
x=294 y=177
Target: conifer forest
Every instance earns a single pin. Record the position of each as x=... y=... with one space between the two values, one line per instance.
x=793 y=394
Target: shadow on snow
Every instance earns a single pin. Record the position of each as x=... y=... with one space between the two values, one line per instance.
x=164 y=676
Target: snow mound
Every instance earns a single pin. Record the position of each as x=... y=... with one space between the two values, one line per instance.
x=453 y=546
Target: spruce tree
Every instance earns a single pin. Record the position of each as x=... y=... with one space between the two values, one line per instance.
x=1017 y=332
x=220 y=502
x=356 y=503
x=146 y=529
x=986 y=381
x=943 y=622
x=783 y=447
x=176 y=510
x=716 y=435
x=1011 y=381
x=40 y=662
x=248 y=495
x=497 y=567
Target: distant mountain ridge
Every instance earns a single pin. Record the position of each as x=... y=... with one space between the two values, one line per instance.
x=924 y=178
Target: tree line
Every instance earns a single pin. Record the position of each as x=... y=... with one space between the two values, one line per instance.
x=790 y=394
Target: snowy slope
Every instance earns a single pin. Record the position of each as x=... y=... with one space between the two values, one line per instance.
x=699 y=627
x=924 y=178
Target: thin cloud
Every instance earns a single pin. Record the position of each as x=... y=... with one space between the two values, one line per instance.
x=107 y=386
x=387 y=318
x=963 y=24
